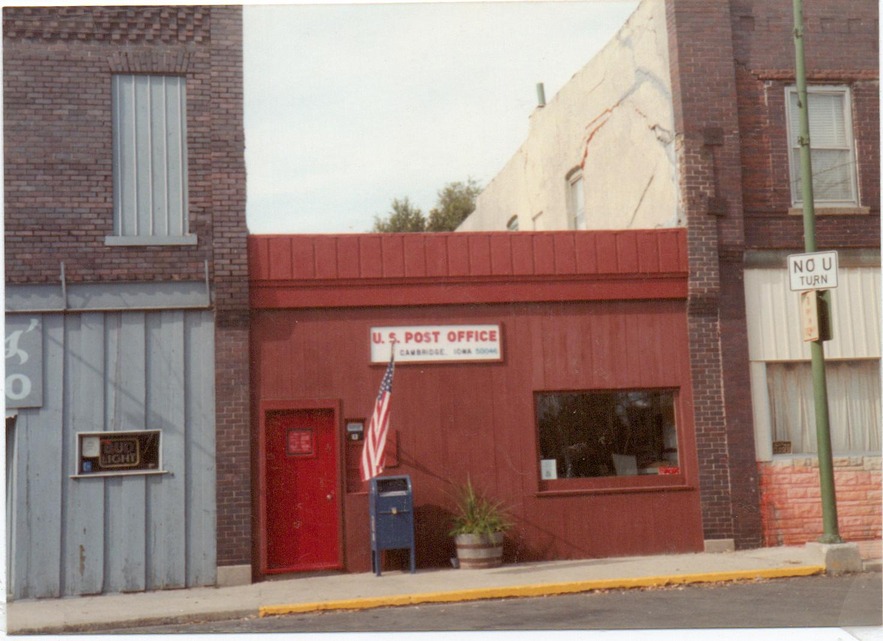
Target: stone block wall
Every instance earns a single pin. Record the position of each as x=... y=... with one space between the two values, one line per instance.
x=791 y=503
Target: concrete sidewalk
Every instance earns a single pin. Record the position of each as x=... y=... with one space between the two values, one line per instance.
x=357 y=591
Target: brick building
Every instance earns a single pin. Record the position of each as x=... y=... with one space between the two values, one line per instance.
x=126 y=299
x=705 y=140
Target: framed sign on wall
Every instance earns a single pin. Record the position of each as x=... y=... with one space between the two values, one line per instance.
x=119 y=453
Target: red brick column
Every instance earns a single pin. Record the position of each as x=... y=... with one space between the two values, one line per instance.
x=230 y=275
x=707 y=125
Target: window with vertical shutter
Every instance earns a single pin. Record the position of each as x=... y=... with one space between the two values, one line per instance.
x=149 y=160
x=831 y=146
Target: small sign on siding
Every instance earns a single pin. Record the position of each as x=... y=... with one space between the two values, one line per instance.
x=111 y=453
x=24 y=361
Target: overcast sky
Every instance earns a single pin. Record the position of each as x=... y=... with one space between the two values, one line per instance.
x=350 y=106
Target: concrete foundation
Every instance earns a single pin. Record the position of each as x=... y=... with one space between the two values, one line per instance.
x=232 y=575
x=838 y=558
x=720 y=545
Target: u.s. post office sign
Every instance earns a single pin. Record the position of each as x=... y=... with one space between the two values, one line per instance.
x=436 y=343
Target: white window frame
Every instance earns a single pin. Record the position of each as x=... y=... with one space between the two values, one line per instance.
x=576 y=200
x=150 y=199
x=764 y=420
x=847 y=147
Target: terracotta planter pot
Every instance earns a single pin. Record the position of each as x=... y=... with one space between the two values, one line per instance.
x=479 y=550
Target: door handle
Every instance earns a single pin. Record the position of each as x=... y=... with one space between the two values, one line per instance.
x=329 y=497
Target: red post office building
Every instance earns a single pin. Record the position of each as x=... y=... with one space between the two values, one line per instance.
x=551 y=369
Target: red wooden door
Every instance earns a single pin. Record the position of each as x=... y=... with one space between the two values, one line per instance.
x=302 y=513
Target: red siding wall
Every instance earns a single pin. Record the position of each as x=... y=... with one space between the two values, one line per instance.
x=477 y=419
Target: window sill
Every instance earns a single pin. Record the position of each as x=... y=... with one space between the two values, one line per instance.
x=814 y=458
x=614 y=485
x=105 y=475
x=139 y=241
x=821 y=210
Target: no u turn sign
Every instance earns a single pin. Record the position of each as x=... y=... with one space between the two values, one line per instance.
x=816 y=270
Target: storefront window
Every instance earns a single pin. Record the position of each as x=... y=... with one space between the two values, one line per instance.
x=606 y=433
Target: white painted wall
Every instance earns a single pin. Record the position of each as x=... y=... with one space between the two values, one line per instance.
x=615 y=120
x=772 y=311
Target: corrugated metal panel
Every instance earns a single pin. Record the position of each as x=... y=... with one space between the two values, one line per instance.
x=774 y=330
x=110 y=372
x=82 y=529
x=125 y=516
x=199 y=446
x=394 y=269
x=35 y=534
x=456 y=255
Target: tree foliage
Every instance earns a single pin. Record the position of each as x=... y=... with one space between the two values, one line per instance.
x=403 y=217
x=455 y=202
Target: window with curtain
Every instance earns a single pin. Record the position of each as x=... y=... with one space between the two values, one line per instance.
x=853 y=405
x=149 y=160
x=831 y=146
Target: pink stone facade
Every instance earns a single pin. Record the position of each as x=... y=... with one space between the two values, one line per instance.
x=791 y=505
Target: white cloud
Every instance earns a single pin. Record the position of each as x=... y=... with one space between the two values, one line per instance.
x=350 y=106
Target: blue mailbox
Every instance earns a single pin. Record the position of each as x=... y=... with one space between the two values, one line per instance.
x=392 y=517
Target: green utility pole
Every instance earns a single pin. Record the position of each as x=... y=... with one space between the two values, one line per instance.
x=820 y=391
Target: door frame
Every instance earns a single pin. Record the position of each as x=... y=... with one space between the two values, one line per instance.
x=296 y=405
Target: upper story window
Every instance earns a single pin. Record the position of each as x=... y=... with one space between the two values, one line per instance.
x=832 y=147
x=576 y=200
x=149 y=161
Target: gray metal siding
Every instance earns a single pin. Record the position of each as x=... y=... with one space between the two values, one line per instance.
x=109 y=372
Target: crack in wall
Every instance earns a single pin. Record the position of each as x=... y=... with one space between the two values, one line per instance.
x=640 y=201
x=662 y=134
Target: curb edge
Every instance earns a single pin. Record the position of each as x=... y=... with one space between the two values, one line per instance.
x=537 y=590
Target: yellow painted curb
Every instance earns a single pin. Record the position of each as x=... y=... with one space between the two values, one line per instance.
x=549 y=589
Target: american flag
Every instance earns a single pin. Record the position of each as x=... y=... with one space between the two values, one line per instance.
x=375 y=438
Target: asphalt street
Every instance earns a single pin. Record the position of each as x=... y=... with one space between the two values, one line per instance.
x=819 y=601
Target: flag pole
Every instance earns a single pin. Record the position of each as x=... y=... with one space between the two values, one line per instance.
x=375 y=437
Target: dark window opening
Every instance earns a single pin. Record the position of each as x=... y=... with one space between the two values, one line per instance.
x=606 y=433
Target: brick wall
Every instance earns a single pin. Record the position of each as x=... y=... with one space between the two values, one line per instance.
x=230 y=253
x=764 y=54
x=764 y=63
x=58 y=64
x=707 y=123
x=734 y=181
x=58 y=178
x=791 y=499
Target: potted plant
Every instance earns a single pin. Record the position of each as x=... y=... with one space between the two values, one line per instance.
x=479 y=525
